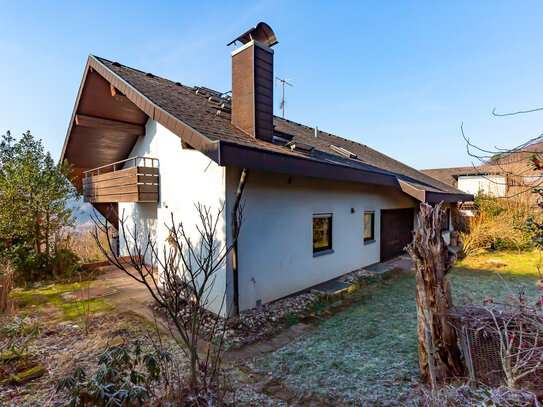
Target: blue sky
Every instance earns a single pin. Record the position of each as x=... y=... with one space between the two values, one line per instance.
x=398 y=76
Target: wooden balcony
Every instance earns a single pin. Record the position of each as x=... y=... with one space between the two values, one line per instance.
x=116 y=183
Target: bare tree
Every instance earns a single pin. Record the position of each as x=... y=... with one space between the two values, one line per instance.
x=439 y=355
x=521 y=350
x=181 y=279
x=520 y=182
x=514 y=329
x=511 y=164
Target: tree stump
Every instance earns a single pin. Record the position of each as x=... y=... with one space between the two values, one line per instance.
x=439 y=355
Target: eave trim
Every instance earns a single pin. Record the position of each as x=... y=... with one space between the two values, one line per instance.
x=235 y=155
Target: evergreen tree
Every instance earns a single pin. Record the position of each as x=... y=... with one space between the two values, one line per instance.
x=34 y=199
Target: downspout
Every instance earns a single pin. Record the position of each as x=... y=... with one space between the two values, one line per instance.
x=235 y=274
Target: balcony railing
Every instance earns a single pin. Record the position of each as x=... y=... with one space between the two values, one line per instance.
x=130 y=180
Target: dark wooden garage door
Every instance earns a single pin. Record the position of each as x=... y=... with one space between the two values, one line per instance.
x=396 y=227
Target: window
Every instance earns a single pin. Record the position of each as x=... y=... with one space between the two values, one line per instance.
x=446 y=222
x=322 y=233
x=369 y=227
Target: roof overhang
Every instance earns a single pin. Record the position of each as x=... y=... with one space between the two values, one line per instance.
x=475 y=174
x=107 y=119
x=235 y=155
x=433 y=196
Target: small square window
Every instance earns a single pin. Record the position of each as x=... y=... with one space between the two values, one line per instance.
x=322 y=232
x=369 y=226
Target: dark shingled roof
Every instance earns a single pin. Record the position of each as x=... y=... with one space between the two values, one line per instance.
x=214 y=123
x=450 y=175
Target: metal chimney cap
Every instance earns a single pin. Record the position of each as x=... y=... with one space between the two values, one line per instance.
x=261 y=33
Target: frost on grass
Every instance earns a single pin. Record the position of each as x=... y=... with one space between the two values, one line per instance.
x=366 y=355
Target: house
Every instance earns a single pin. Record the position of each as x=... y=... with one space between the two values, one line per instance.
x=501 y=178
x=486 y=178
x=316 y=205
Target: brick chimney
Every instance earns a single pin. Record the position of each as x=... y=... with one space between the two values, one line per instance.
x=252 y=82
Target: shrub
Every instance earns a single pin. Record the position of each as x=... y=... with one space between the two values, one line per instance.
x=498 y=224
x=17 y=365
x=35 y=194
x=82 y=243
x=30 y=266
x=472 y=396
x=125 y=377
x=17 y=335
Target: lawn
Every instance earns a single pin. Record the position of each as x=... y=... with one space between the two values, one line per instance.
x=496 y=276
x=367 y=355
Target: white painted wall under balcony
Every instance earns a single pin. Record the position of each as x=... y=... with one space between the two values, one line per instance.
x=187 y=177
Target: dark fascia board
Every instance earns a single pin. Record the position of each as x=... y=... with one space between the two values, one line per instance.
x=484 y=173
x=196 y=139
x=235 y=155
x=434 y=197
x=410 y=190
x=431 y=196
x=74 y=112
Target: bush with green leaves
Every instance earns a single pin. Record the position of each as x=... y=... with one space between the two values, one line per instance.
x=126 y=376
x=35 y=195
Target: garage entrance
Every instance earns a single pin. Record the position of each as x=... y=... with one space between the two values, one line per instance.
x=396 y=227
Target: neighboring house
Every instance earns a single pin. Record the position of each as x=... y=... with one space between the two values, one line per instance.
x=500 y=180
x=487 y=178
x=316 y=205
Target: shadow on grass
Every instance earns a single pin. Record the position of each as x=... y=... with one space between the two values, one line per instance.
x=364 y=355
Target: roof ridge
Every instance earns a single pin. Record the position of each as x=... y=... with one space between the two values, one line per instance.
x=451 y=168
x=143 y=72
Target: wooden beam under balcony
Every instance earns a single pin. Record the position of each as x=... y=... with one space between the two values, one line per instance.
x=113 y=126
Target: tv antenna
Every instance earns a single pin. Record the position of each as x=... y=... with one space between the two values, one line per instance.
x=283 y=82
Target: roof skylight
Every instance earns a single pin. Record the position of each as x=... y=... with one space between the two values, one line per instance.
x=343 y=151
x=297 y=145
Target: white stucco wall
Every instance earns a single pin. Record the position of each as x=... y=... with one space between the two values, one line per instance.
x=275 y=244
x=493 y=184
x=186 y=178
